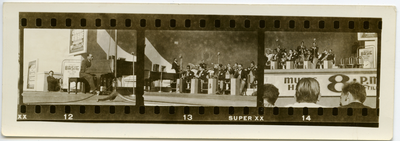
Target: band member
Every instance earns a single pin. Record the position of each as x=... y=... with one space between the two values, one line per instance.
x=221 y=79
x=283 y=59
x=331 y=56
x=53 y=83
x=242 y=76
x=202 y=73
x=275 y=56
x=175 y=65
x=86 y=63
x=269 y=54
x=301 y=53
x=230 y=71
x=252 y=74
x=297 y=59
x=314 y=54
x=215 y=72
x=235 y=67
x=278 y=56
x=187 y=75
x=323 y=57
x=307 y=55
x=301 y=48
x=290 y=56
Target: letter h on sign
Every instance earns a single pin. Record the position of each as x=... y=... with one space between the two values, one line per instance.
x=290 y=87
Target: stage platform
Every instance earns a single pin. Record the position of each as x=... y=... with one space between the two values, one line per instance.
x=168 y=99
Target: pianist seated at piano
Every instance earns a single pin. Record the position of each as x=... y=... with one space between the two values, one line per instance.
x=85 y=64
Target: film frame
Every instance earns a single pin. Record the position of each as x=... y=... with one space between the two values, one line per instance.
x=348 y=117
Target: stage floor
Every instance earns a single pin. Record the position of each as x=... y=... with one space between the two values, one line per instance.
x=167 y=99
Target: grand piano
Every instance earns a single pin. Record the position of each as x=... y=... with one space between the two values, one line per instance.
x=104 y=70
x=150 y=76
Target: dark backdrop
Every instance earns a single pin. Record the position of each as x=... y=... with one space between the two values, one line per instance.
x=195 y=46
x=344 y=45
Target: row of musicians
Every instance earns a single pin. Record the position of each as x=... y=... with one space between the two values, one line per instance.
x=245 y=78
x=294 y=60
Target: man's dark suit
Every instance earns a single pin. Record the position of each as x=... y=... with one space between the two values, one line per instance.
x=243 y=77
x=175 y=67
x=88 y=77
x=314 y=55
x=188 y=75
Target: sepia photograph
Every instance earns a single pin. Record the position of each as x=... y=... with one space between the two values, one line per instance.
x=321 y=69
x=200 y=68
x=152 y=69
x=79 y=66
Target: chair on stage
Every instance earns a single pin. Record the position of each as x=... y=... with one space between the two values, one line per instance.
x=342 y=65
x=359 y=62
x=351 y=63
x=76 y=80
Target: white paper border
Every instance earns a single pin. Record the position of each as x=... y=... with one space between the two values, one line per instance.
x=126 y=130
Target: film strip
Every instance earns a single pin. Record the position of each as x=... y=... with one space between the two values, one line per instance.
x=263 y=32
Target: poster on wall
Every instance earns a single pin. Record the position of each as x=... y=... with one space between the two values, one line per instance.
x=367 y=55
x=32 y=70
x=363 y=36
x=70 y=68
x=78 y=41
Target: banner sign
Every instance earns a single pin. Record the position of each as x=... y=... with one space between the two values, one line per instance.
x=70 y=68
x=367 y=55
x=78 y=41
x=32 y=70
x=330 y=84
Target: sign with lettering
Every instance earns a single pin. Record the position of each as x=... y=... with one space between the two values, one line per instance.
x=367 y=55
x=78 y=41
x=32 y=70
x=330 y=84
x=70 y=68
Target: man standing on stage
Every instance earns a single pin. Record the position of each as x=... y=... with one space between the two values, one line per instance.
x=86 y=63
x=221 y=79
x=187 y=76
x=242 y=76
x=175 y=66
x=331 y=56
x=301 y=50
x=252 y=71
x=314 y=55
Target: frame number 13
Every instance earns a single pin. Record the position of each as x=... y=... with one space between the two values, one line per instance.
x=187 y=117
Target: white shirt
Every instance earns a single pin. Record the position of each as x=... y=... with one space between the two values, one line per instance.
x=302 y=105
